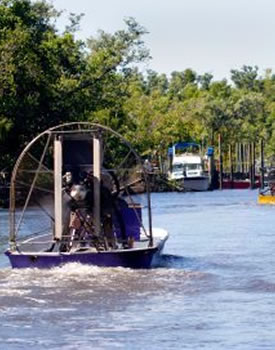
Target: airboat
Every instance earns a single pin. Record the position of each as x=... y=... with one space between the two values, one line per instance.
x=76 y=181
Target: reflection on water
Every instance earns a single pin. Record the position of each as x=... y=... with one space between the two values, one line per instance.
x=213 y=288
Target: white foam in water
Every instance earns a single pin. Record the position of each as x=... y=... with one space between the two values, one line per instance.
x=21 y=282
x=214 y=289
x=8 y=291
x=77 y=269
x=83 y=271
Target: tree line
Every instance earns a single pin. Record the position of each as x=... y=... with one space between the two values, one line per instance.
x=48 y=77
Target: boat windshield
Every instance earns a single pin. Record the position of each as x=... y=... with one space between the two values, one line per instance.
x=193 y=167
x=178 y=167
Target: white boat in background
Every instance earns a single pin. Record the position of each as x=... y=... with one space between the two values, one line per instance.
x=187 y=167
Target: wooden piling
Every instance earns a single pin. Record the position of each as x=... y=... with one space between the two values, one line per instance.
x=250 y=165
x=253 y=170
x=238 y=158
x=231 y=167
x=262 y=163
x=211 y=171
x=220 y=163
x=248 y=159
x=242 y=159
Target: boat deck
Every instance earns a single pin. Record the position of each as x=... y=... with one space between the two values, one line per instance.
x=44 y=245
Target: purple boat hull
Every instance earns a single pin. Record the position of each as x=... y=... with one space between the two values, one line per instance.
x=138 y=258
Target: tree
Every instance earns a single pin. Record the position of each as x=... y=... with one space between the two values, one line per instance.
x=48 y=78
x=110 y=71
x=205 y=80
x=179 y=80
x=250 y=110
x=156 y=81
x=37 y=67
x=246 y=78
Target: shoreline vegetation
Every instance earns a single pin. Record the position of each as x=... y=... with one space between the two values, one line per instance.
x=47 y=78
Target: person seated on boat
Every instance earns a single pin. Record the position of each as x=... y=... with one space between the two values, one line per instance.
x=107 y=223
x=83 y=197
x=111 y=206
x=77 y=211
x=81 y=201
x=77 y=189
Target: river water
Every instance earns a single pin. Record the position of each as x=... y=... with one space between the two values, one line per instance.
x=214 y=287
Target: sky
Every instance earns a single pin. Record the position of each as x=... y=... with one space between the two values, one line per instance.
x=212 y=36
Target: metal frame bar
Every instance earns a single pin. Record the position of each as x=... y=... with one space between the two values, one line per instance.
x=97 y=182
x=58 y=226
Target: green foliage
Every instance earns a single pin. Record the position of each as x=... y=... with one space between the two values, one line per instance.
x=38 y=67
x=246 y=78
x=205 y=81
x=48 y=78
